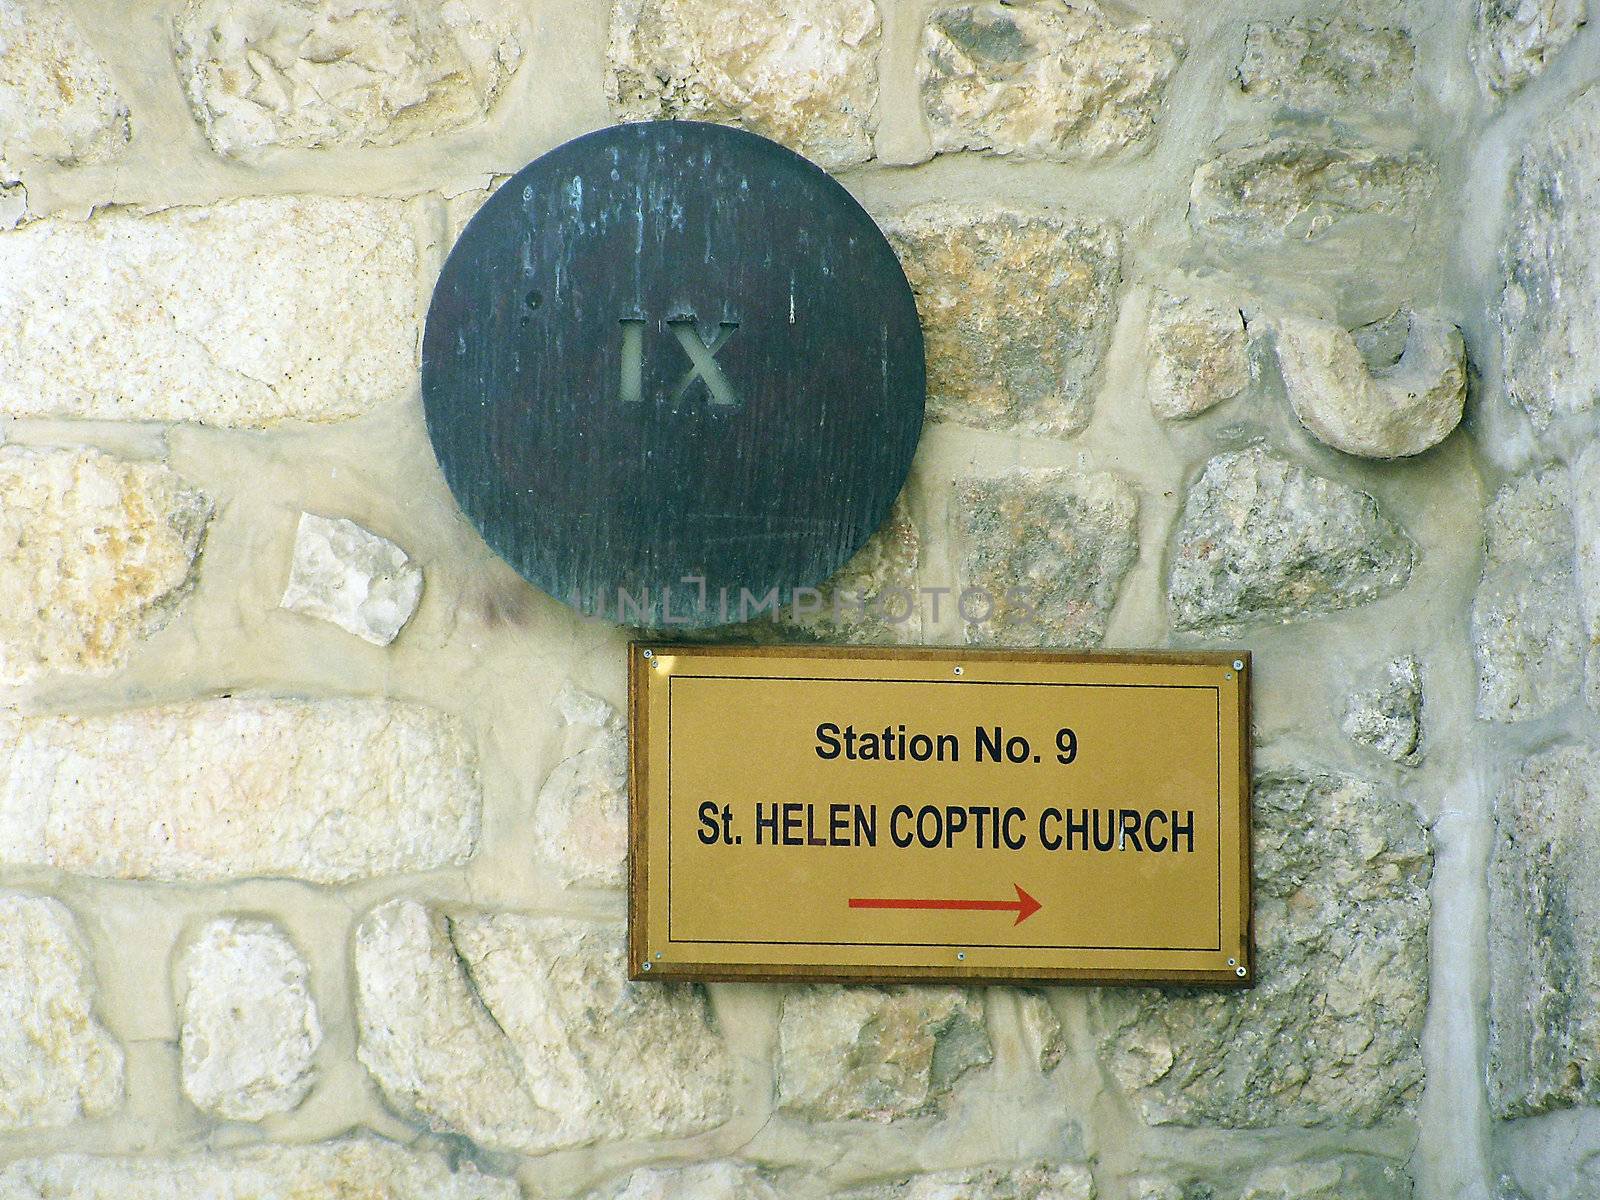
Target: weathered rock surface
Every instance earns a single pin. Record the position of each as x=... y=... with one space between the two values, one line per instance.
x=1550 y=309
x=57 y=101
x=249 y=1030
x=1586 y=535
x=1049 y=549
x=1288 y=189
x=1199 y=355
x=321 y=790
x=242 y=314
x=1042 y=1034
x=1345 y=1177
x=1047 y=80
x=873 y=597
x=702 y=1181
x=307 y=73
x=580 y=820
x=1071 y=1181
x=1263 y=539
x=876 y=1053
x=1017 y=307
x=1322 y=64
x=1544 y=905
x=95 y=553
x=1526 y=634
x=363 y=583
x=803 y=73
x=57 y=1063
x=1387 y=718
x=1393 y=412
x=1330 y=1034
x=1515 y=40
x=523 y=1033
x=355 y=1167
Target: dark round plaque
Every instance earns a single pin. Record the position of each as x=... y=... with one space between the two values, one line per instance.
x=670 y=367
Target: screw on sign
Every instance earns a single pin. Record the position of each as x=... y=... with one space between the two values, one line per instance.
x=672 y=372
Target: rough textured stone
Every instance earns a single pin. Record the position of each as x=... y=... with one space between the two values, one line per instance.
x=245 y=313
x=1320 y=63
x=95 y=553
x=1071 y=1181
x=1289 y=189
x=1392 y=412
x=57 y=1064
x=1042 y=1035
x=1387 y=718
x=1262 y=539
x=322 y=790
x=304 y=73
x=876 y=1053
x=1345 y=1177
x=1586 y=534
x=804 y=73
x=1526 y=634
x=1544 y=906
x=57 y=101
x=1515 y=40
x=363 y=583
x=1550 y=309
x=1045 y=80
x=1017 y=307
x=1199 y=355
x=355 y=1167
x=1329 y=1035
x=523 y=1033
x=703 y=1181
x=1049 y=548
x=873 y=597
x=249 y=1030
x=580 y=820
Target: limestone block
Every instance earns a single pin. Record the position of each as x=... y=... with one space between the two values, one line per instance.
x=1325 y=64
x=1042 y=1034
x=1343 y=1177
x=1263 y=539
x=1387 y=717
x=321 y=790
x=580 y=820
x=1550 y=308
x=1046 y=80
x=1586 y=534
x=96 y=552
x=1290 y=189
x=1393 y=412
x=57 y=101
x=1515 y=40
x=804 y=73
x=872 y=598
x=1527 y=637
x=1199 y=355
x=523 y=1034
x=1070 y=1181
x=363 y=583
x=879 y=1054
x=1330 y=1034
x=1049 y=548
x=57 y=1062
x=245 y=313
x=307 y=73
x=248 y=1025
x=356 y=1167
x=1544 y=908
x=702 y=1181
x=1017 y=307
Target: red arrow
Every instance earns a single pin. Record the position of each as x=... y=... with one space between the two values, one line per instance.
x=1024 y=905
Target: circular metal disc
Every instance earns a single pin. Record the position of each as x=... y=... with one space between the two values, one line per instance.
x=673 y=351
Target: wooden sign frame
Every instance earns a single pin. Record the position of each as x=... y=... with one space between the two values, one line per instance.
x=655 y=665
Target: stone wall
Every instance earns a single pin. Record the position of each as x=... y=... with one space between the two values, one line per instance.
x=311 y=819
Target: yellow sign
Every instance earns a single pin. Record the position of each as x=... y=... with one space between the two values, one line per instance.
x=899 y=814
